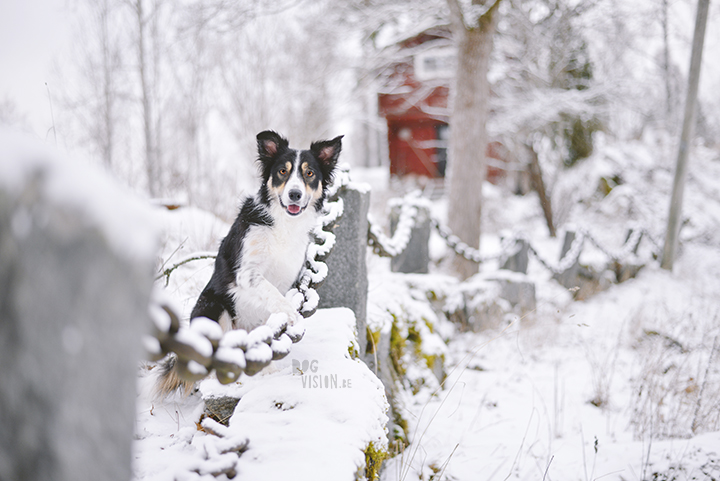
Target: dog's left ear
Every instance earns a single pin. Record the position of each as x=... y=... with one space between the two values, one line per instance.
x=327 y=151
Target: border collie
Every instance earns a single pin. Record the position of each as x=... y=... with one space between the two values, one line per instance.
x=263 y=253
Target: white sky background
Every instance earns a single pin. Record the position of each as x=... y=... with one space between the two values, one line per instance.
x=34 y=34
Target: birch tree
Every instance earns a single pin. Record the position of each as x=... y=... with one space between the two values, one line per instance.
x=673 y=229
x=97 y=107
x=143 y=67
x=473 y=29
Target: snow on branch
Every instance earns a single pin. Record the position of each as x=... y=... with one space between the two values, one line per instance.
x=468 y=13
x=197 y=256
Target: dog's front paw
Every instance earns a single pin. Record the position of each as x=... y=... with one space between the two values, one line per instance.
x=278 y=321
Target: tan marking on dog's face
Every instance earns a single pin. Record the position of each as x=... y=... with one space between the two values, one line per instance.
x=312 y=181
x=276 y=183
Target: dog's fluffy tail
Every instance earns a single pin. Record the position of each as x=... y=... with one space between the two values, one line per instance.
x=168 y=382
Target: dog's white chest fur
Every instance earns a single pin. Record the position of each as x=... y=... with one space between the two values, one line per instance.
x=283 y=250
x=273 y=254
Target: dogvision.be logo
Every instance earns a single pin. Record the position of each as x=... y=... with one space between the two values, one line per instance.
x=311 y=379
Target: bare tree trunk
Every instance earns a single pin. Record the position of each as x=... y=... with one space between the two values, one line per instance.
x=468 y=136
x=150 y=161
x=108 y=89
x=673 y=228
x=539 y=186
x=666 y=62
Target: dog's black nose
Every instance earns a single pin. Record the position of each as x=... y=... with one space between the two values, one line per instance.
x=295 y=195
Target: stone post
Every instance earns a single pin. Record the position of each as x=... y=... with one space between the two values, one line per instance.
x=519 y=261
x=73 y=307
x=346 y=284
x=569 y=277
x=416 y=256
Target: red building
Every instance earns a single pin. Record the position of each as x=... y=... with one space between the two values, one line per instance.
x=414 y=102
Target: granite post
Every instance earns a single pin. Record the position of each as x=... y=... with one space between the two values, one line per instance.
x=416 y=256
x=346 y=284
x=518 y=262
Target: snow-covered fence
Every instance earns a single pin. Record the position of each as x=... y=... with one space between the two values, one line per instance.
x=76 y=260
x=515 y=251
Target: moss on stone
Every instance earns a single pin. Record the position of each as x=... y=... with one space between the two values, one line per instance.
x=374 y=457
x=398 y=345
x=353 y=351
x=373 y=339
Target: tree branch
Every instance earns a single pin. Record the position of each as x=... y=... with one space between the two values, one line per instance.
x=456 y=14
x=194 y=257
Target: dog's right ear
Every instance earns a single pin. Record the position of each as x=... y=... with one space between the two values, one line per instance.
x=270 y=144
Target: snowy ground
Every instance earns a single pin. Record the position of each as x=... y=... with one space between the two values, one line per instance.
x=622 y=386
x=518 y=403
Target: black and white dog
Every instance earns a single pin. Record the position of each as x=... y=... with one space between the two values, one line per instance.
x=263 y=253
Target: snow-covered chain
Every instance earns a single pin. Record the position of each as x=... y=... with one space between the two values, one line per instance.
x=511 y=244
x=202 y=347
x=391 y=247
x=568 y=260
x=303 y=295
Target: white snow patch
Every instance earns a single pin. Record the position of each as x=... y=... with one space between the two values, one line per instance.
x=125 y=220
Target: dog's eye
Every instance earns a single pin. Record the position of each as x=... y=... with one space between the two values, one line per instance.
x=283 y=171
x=309 y=173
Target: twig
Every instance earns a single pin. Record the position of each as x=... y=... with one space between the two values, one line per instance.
x=702 y=387
x=52 y=115
x=447 y=461
x=548 y=468
x=166 y=273
x=180 y=246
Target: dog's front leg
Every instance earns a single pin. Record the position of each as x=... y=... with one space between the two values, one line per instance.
x=259 y=298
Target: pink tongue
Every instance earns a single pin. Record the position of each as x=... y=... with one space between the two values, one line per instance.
x=293 y=209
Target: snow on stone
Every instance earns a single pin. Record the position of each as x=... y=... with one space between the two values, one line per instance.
x=127 y=224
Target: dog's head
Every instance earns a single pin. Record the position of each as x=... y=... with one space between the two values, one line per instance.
x=296 y=178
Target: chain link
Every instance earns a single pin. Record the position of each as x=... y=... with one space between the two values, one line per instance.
x=385 y=246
